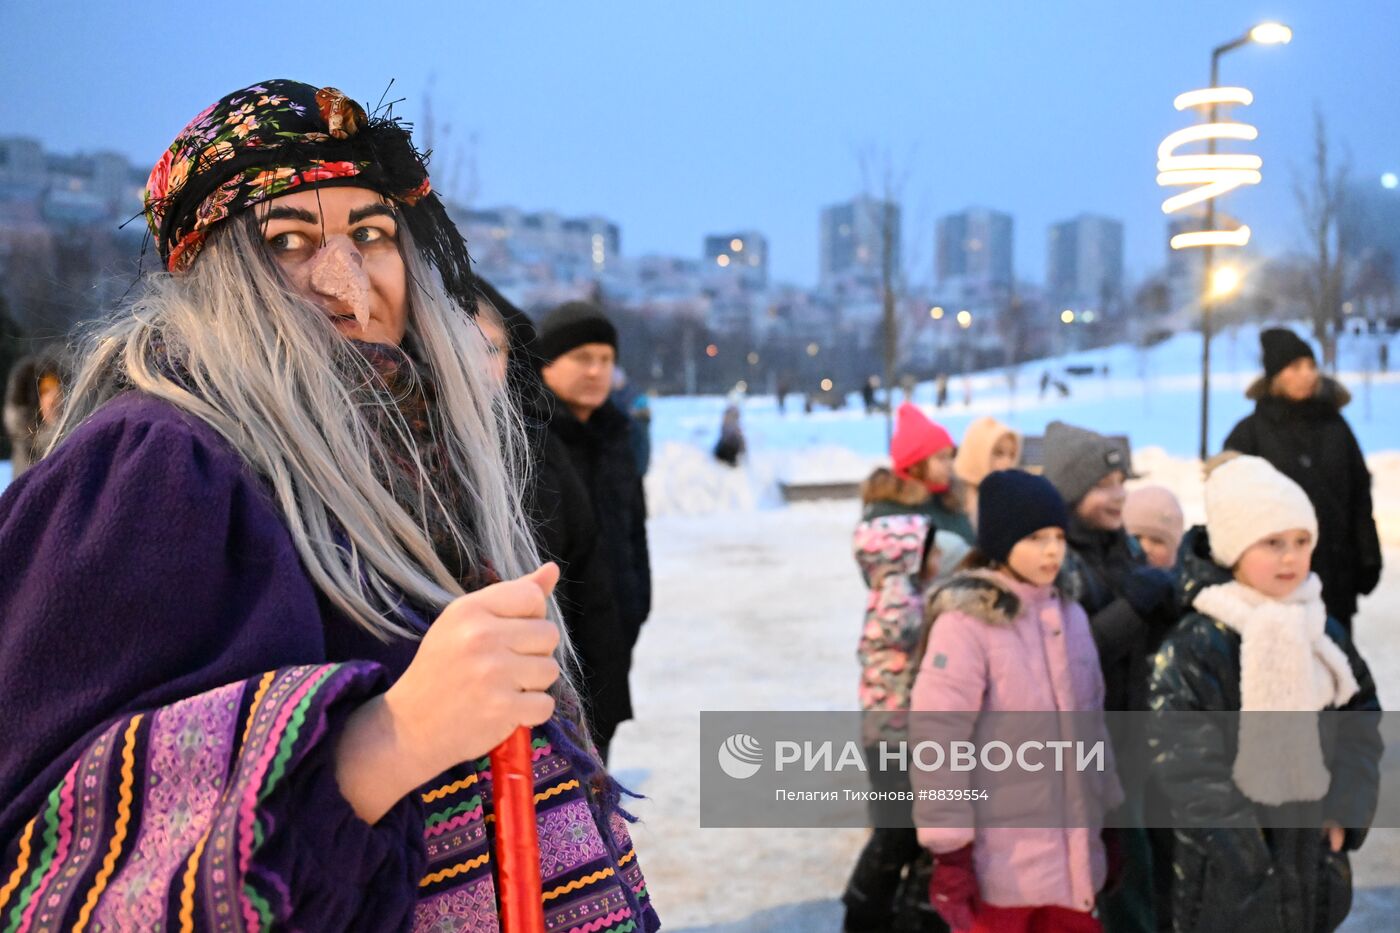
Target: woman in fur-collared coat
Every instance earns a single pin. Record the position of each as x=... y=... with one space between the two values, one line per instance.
x=1297 y=425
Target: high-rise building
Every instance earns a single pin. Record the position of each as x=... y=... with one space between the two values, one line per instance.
x=1084 y=263
x=974 y=255
x=506 y=238
x=853 y=235
x=739 y=257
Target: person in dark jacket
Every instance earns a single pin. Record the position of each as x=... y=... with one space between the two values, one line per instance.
x=1297 y=425
x=1131 y=607
x=1265 y=812
x=577 y=350
x=562 y=518
x=33 y=397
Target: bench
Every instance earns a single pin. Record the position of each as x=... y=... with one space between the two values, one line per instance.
x=816 y=492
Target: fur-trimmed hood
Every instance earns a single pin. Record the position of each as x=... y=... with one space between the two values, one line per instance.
x=1329 y=392
x=984 y=595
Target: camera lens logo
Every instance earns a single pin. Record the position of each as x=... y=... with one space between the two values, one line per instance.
x=741 y=756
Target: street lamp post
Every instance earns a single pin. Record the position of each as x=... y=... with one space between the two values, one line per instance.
x=1264 y=34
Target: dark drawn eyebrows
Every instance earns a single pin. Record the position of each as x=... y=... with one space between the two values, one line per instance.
x=291 y=213
x=372 y=210
x=305 y=216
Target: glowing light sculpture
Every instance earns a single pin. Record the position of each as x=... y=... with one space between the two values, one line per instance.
x=1212 y=174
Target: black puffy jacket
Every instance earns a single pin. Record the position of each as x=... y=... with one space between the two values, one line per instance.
x=1247 y=875
x=1312 y=444
x=1096 y=564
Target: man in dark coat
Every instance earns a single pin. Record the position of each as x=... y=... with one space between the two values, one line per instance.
x=562 y=517
x=1297 y=425
x=577 y=352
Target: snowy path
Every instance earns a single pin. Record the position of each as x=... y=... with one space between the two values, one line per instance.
x=761 y=611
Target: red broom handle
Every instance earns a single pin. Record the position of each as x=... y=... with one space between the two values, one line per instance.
x=517 y=838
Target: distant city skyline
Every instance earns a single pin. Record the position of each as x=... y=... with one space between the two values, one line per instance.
x=678 y=122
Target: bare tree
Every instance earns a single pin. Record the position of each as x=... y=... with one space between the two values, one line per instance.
x=1320 y=200
x=1013 y=327
x=884 y=187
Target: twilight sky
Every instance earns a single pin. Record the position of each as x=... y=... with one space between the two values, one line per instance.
x=678 y=119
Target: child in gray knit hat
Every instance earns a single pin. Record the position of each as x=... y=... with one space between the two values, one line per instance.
x=1131 y=607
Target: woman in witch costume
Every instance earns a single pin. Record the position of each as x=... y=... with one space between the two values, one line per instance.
x=257 y=639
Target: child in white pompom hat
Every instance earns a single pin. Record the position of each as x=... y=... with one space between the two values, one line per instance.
x=1258 y=640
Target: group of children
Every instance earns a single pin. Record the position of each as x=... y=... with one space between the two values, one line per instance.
x=996 y=589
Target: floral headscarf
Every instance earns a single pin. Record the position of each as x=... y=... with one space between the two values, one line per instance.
x=277 y=136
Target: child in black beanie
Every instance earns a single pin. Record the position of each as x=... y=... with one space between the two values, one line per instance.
x=1002 y=636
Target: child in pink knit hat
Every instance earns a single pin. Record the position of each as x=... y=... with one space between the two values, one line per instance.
x=1153 y=516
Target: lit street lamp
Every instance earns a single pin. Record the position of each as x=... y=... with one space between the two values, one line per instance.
x=1263 y=34
x=1224 y=282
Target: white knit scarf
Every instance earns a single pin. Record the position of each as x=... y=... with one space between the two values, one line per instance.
x=1287 y=664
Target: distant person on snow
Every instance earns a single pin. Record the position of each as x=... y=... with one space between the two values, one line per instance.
x=867 y=394
x=731 y=445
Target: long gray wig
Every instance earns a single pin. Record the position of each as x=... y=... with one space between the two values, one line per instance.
x=268 y=371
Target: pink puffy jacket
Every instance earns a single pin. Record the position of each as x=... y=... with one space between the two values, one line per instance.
x=997 y=645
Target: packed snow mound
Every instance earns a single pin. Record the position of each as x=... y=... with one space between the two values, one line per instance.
x=687 y=480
